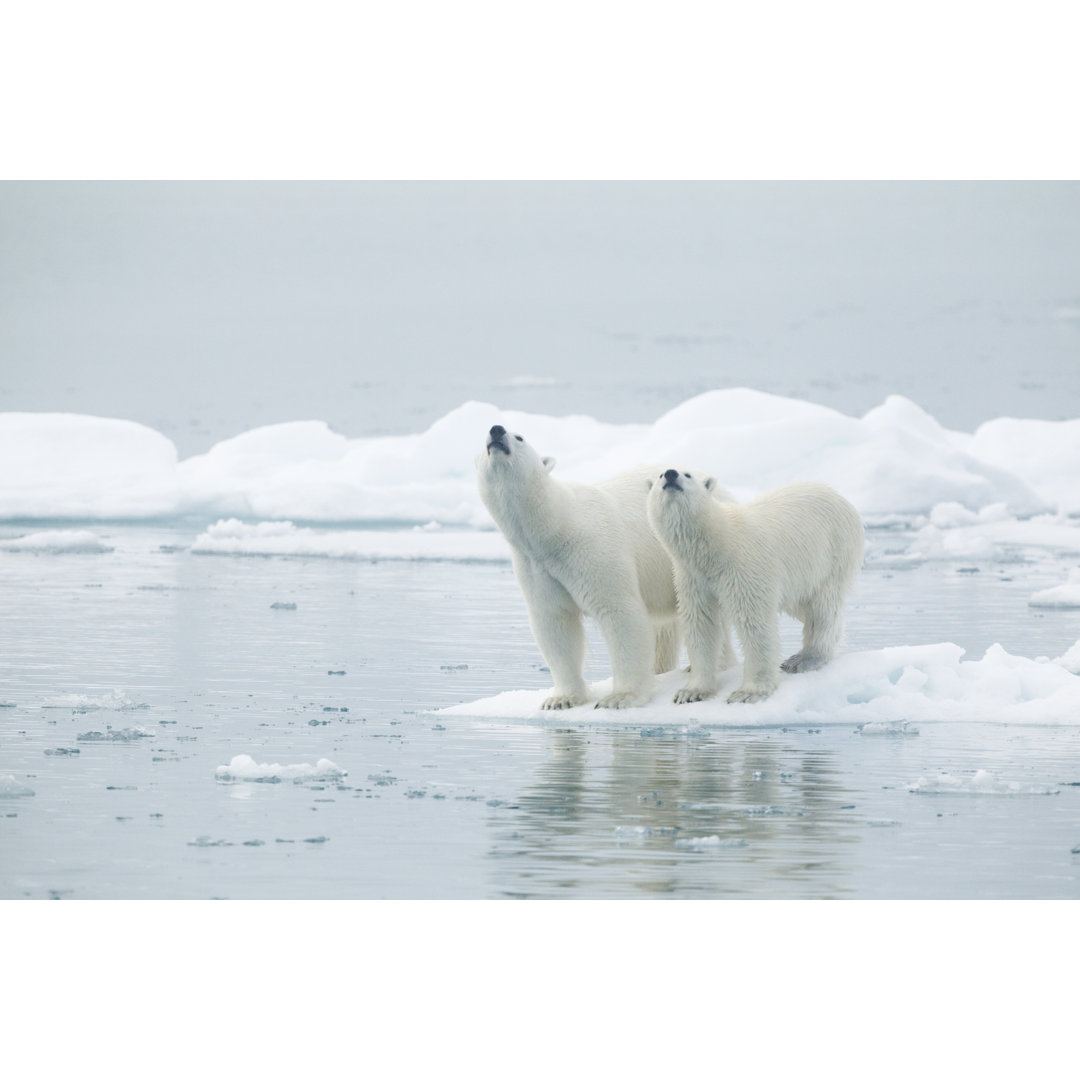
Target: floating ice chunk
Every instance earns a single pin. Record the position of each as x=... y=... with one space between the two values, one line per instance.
x=632 y=832
x=59 y=542
x=10 y=788
x=128 y=734
x=911 y=683
x=244 y=767
x=112 y=699
x=703 y=843
x=888 y=727
x=233 y=537
x=981 y=783
x=1059 y=596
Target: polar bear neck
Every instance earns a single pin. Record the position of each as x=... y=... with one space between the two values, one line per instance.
x=694 y=533
x=527 y=514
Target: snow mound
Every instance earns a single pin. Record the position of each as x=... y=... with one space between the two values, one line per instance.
x=895 y=460
x=981 y=783
x=233 y=537
x=61 y=465
x=244 y=767
x=58 y=541
x=1060 y=596
x=10 y=788
x=895 y=685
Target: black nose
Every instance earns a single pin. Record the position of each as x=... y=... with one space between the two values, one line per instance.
x=498 y=431
x=671 y=475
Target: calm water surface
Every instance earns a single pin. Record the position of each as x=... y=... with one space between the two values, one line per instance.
x=446 y=807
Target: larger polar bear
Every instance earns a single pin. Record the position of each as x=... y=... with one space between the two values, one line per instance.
x=797 y=549
x=586 y=549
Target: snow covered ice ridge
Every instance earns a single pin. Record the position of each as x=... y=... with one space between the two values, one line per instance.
x=245 y=767
x=896 y=459
x=888 y=688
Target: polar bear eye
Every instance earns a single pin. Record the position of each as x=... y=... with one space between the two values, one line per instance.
x=519 y=438
x=688 y=476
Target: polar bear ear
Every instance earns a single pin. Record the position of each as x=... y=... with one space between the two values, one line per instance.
x=710 y=483
x=548 y=463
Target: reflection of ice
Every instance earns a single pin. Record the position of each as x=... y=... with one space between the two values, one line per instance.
x=982 y=783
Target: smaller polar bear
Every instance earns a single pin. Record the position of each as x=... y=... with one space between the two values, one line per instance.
x=797 y=549
x=585 y=549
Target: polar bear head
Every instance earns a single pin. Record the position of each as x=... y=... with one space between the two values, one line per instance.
x=680 y=492
x=508 y=462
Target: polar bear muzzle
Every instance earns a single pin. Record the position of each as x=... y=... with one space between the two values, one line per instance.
x=497 y=439
x=671 y=480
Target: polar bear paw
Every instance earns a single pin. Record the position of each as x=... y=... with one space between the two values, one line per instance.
x=688 y=693
x=749 y=694
x=624 y=699
x=801 y=661
x=562 y=701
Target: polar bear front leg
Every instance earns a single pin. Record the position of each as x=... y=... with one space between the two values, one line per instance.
x=556 y=625
x=631 y=643
x=705 y=628
x=760 y=639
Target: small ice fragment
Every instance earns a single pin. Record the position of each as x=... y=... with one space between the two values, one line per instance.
x=316 y=839
x=281 y=605
x=701 y=843
x=10 y=788
x=244 y=767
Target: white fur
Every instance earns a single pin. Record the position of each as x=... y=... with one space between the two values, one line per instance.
x=585 y=549
x=797 y=549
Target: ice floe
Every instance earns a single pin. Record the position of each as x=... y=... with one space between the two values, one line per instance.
x=233 y=537
x=245 y=767
x=54 y=541
x=894 y=460
x=895 y=686
x=111 y=699
x=1059 y=596
x=63 y=465
x=981 y=782
x=10 y=788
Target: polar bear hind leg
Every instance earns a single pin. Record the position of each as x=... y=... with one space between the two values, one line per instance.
x=823 y=626
x=668 y=643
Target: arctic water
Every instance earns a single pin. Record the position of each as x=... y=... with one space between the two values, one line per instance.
x=130 y=678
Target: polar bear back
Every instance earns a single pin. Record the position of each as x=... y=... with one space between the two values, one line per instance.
x=807 y=534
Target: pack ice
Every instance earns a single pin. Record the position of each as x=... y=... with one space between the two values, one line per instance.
x=897 y=459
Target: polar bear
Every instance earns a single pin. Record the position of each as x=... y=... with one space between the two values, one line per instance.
x=797 y=549
x=586 y=549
